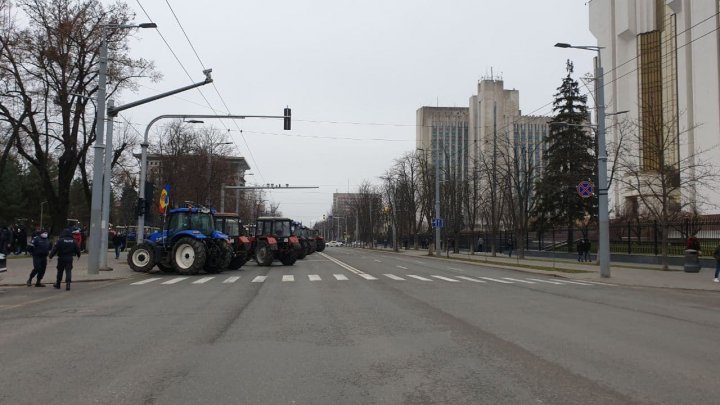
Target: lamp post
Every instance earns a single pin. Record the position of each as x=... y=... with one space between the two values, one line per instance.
x=604 y=231
x=99 y=149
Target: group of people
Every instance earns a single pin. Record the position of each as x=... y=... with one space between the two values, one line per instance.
x=13 y=240
x=583 y=250
x=65 y=248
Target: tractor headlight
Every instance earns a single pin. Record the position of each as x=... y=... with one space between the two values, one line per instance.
x=285 y=240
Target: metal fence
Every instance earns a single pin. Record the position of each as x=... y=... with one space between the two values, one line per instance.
x=627 y=237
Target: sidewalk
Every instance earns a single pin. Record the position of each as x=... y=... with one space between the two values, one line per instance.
x=19 y=267
x=628 y=274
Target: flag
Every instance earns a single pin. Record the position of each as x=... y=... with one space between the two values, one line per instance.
x=164 y=198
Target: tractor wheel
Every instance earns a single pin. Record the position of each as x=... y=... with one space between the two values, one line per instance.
x=165 y=268
x=320 y=246
x=218 y=256
x=141 y=258
x=263 y=255
x=302 y=252
x=188 y=256
x=288 y=259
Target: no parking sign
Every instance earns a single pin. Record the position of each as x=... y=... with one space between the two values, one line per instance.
x=585 y=189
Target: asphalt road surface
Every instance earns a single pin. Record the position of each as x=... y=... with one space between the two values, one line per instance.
x=358 y=327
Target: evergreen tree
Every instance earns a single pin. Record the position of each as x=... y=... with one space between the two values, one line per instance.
x=569 y=159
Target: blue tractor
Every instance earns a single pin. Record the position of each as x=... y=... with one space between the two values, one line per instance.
x=188 y=244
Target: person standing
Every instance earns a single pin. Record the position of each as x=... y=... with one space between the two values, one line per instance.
x=480 y=244
x=117 y=242
x=716 y=254
x=40 y=246
x=65 y=248
x=510 y=246
x=586 y=250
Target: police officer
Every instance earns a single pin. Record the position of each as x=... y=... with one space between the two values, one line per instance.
x=65 y=248
x=40 y=247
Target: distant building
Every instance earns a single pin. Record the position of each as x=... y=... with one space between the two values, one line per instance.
x=662 y=64
x=442 y=132
x=344 y=204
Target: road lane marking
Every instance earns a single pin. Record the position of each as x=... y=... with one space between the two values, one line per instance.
x=471 y=279
x=545 y=281
x=175 y=280
x=455 y=268
x=394 y=277
x=340 y=277
x=418 y=277
x=259 y=279
x=572 y=282
x=599 y=283
x=203 y=280
x=231 y=279
x=314 y=277
x=288 y=277
x=496 y=280
x=378 y=261
x=149 y=280
x=401 y=267
x=452 y=280
x=518 y=280
x=348 y=267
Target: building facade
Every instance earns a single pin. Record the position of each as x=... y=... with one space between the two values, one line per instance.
x=661 y=62
x=443 y=132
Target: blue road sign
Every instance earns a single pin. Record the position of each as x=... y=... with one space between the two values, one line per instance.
x=585 y=189
x=438 y=223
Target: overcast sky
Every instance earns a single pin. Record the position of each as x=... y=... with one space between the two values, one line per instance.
x=353 y=72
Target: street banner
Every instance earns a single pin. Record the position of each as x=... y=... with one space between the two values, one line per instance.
x=164 y=198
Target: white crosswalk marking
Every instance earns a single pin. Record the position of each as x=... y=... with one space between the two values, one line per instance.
x=288 y=277
x=149 y=280
x=455 y=269
x=518 y=280
x=545 y=281
x=497 y=280
x=418 y=277
x=452 y=280
x=259 y=279
x=203 y=280
x=340 y=277
x=394 y=277
x=572 y=282
x=378 y=261
x=471 y=279
x=401 y=267
x=367 y=276
x=175 y=280
x=314 y=277
x=231 y=279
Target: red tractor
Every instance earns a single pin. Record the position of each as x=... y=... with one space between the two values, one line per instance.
x=231 y=225
x=275 y=239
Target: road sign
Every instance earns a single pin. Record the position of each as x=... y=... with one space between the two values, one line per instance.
x=438 y=223
x=585 y=189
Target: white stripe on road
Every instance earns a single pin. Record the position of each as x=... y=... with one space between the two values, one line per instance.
x=203 y=280
x=340 y=277
x=231 y=279
x=175 y=280
x=496 y=280
x=545 y=281
x=401 y=267
x=452 y=280
x=378 y=261
x=393 y=277
x=348 y=267
x=259 y=279
x=518 y=280
x=367 y=276
x=455 y=268
x=471 y=279
x=314 y=277
x=572 y=282
x=149 y=280
x=288 y=277
x=418 y=277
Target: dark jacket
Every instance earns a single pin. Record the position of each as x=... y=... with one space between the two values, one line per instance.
x=65 y=247
x=117 y=240
x=716 y=254
x=40 y=246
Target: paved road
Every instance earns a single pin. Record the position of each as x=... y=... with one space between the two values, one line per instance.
x=355 y=326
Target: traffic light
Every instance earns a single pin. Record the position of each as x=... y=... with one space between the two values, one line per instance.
x=286 y=119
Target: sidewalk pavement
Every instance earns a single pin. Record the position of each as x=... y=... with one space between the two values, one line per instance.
x=19 y=268
x=628 y=274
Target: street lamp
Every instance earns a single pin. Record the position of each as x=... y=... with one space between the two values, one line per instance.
x=604 y=231
x=99 y=149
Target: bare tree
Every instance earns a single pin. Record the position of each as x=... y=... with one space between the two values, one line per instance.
x=48 y=73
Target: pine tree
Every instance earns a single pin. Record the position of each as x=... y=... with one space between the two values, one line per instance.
x=569 y=158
